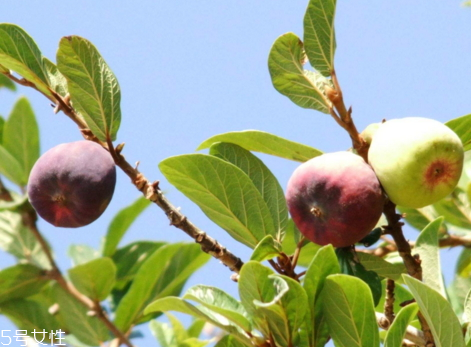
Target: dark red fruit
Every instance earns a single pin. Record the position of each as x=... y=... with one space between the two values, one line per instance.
x=335 y=198
x=72 y=184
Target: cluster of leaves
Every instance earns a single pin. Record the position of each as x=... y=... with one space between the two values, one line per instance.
x=338 y=296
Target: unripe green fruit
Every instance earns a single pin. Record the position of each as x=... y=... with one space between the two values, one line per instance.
x=417 y=160
x=335 y=198
x=369 y=132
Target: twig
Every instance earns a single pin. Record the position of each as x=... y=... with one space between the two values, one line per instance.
x=389 y=302
x=150 y=190
x=412 y=263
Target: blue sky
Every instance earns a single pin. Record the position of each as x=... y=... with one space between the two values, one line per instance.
x=189 y=70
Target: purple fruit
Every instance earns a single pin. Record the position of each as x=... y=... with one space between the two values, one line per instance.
x=72 y=184
x=335 y=198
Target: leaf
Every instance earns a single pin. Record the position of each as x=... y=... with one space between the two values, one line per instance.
x=17 y=201
x=462 y=127
x=32 y=314
x=262 y=178
x=21 y=281
x=421 y=217
x=260 y=292
x=176 y=304
x=167 y=335
x=428 y=248
x=95 y=279
x=304 y=88
x=93 y=87
x=350 y=265
x=291 y=240
x=11 y=168
x=130 y=258
x=323 y=264
x=87 y=329
x=319 y=35
x=6 y=82
x=348 y=307
x=2 y=126
x=19 y=241
x=196 y=327
x=82 y=254
x=121 y=223
x=455 y=208
x=438 y=313
x=396 y=332
x=18 y=52
x=260 y=141
x=163 y=273
x=224 y=193
x=266 y=249
x=21 y=136
x=382 y=267
x=457 y=291
x=57 y=81
x=220 y=302
x=229 y=341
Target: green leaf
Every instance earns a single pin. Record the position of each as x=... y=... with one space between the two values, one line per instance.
x=179 y=305
x=462 y=127
x=292 y=239
x=224 y=193
x=57 y=81
x=438 y=313
x=18 y=52
x=421 y=217
x=32 y=314
x=121 y=223
x=260 y=292
x=382 y=267
x=304 y=88
x=220 y=302
x=19 y=241
x=87 y=329
x=162 y=274
x=95 y=279
x=319 y=35
x=93 y=87
x=259 y=141
x=6 y=82
x=17 y=201
x=130 y=258
x=169 y=335
x=21 y=281
x=82 y=254
x=428 y=248
x=455 y=208
x=11 y=168
x=350 y=265
x=397 y=330
x=266 y=249
x=262 y=178
x=349 y=310
x=21 y=135
x=457 y=291
x=2 y=127
x=323 y=264
x=229 y=341
x=196 y=327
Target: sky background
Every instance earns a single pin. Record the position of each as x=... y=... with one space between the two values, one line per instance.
x=189 y=70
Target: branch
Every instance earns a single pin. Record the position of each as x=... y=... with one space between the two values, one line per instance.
x=150 y=190
x=389 y=302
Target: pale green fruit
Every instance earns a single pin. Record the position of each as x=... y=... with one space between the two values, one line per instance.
x=417 y=160
x=369 y=132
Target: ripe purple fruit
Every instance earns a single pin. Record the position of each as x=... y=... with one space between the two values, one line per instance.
x=335 y=198
x=72 y=184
